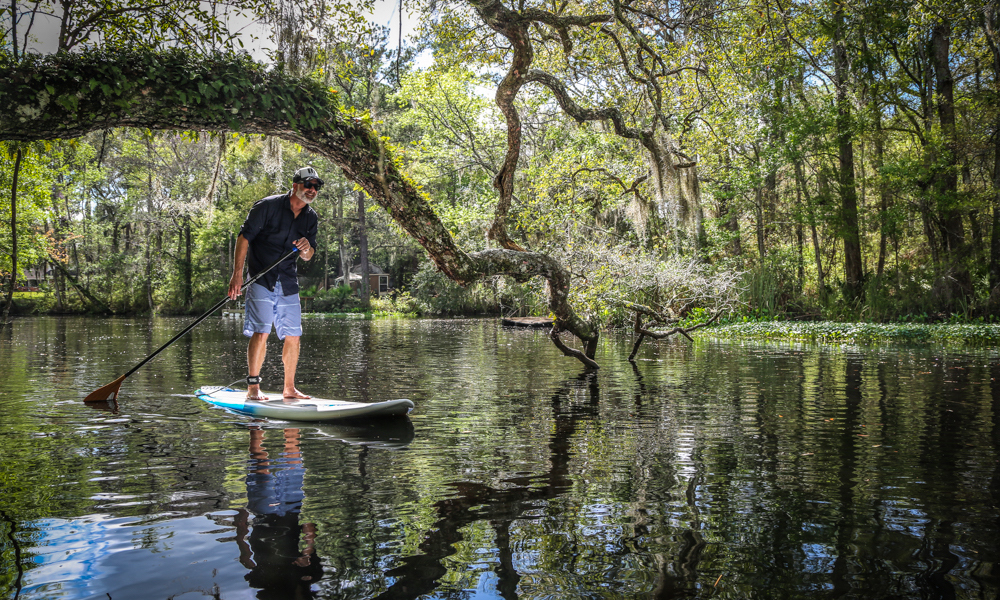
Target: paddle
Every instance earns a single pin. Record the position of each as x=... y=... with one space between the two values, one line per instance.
x=110 y=391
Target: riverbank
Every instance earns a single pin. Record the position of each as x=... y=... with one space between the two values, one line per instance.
x=973 y=334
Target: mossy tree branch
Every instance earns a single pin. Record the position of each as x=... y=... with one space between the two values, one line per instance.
x=515 y=26
x=68 y=95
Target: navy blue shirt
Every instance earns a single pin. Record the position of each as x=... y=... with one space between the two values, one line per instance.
x=271 y=227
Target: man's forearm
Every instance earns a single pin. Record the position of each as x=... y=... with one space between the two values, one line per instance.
x=240 y=256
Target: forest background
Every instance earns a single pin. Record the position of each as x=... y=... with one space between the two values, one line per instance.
x=816 y=160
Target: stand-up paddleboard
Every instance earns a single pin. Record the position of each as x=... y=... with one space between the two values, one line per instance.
x=312 y=409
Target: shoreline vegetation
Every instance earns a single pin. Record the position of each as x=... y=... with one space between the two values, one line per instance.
x=958 y=330
x=965 y=333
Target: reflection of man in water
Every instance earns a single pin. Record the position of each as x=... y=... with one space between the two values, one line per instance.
x=274 y=496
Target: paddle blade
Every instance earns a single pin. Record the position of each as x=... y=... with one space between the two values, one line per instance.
x=110 y=406
x=108 y=392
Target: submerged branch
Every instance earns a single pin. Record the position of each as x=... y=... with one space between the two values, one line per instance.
x=644 y=331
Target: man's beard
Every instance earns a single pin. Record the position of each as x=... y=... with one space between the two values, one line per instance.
x=301 y=195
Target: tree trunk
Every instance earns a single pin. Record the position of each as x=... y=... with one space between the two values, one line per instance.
x=994 y=267
x=326 y=262
x=58 y=238
x=13 y=238
x=13 y=35
x=759 y=214
x=668 y=210
x=770 y=199
x=345 y=265
x=187 y=267
x=992 y=27
x=60 y=287
x=148 y=284
x=692 y=189
x=364 y=290
x=148 y=259
x=151 y=211
x=946 y=177
x=850 y=232
x=731 y=222
x=883 y=196
x=800 y=247
x=800 y=183
x=800 y=244
x=926 y=219
x=732 y=225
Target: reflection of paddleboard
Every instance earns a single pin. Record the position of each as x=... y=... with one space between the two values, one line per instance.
x=384 y=434
x=313 y=409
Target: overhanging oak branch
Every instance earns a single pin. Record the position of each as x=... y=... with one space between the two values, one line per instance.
x=68 y=95
x=514 y=26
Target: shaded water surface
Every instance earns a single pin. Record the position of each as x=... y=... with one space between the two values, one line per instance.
x=709 y=469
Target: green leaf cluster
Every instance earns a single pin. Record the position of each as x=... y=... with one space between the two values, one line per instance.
x=219 y=90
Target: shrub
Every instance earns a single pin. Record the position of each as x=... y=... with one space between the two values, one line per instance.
x=443 y=296
x=338 y=299
x=31 y=303
x=398 y=303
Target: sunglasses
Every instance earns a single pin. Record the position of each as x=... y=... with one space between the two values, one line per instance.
x=310 y=185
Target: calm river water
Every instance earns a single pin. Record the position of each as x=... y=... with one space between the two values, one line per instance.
x=709 y=469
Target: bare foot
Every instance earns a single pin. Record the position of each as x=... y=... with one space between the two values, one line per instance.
x=253 y=393
x=296 y=394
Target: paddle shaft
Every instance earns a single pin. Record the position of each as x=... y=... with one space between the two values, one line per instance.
x=217 y=306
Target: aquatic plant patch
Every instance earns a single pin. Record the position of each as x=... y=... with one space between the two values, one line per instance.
x=863 y=333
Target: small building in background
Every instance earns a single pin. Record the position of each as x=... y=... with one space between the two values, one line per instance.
x=35 y=277
x=378 y=280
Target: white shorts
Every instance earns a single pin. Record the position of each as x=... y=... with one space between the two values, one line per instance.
x=265 y=308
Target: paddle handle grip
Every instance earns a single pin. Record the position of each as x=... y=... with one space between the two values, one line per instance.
x=217 y=306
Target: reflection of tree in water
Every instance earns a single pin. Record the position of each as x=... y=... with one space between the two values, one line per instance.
x=474 y=502
x=278 y=567
x=11 y=536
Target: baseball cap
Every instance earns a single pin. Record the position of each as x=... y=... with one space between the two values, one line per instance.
x=305 y=174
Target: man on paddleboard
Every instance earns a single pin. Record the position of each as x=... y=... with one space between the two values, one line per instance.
x=272 y=227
